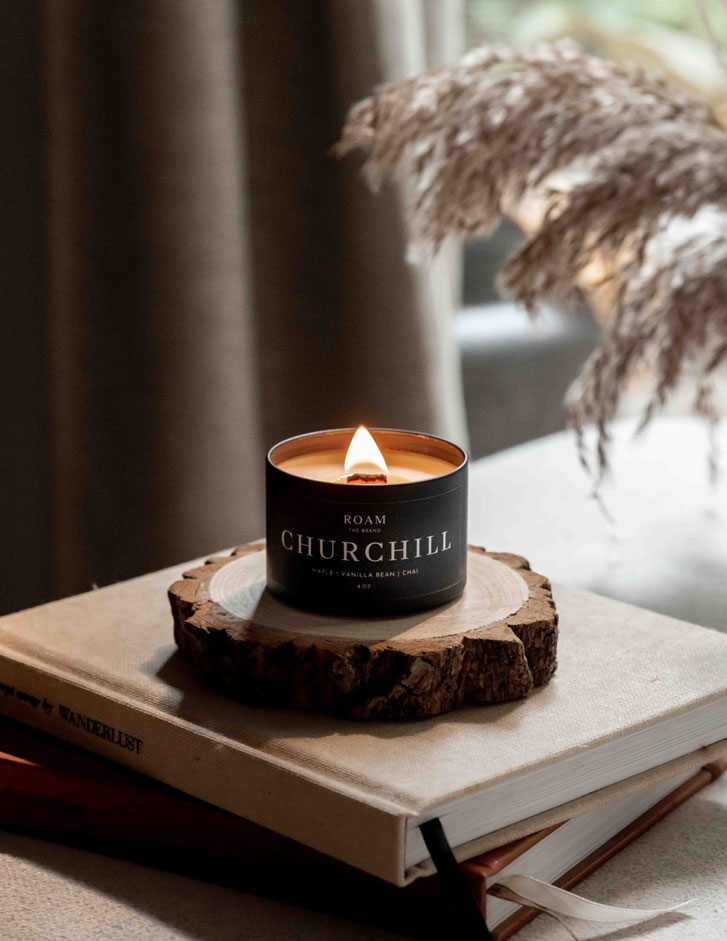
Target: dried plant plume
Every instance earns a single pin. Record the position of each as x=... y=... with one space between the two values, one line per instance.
x=628 y=178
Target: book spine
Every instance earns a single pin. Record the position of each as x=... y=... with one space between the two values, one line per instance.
x=154 y=825
x=49 y=799
x=353 y=829
x=30 y=795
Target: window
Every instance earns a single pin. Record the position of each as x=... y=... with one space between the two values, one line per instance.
x=515 y=374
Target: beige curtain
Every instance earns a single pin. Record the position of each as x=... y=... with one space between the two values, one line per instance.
x=191 y=276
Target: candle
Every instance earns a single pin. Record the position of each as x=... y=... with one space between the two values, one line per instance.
x=366 y=522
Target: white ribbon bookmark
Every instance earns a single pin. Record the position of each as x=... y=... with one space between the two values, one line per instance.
x=557 y=901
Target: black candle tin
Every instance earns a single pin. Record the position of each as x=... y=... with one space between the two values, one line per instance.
x=367 y=550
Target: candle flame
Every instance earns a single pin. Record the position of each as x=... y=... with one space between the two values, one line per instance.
x=363 y=455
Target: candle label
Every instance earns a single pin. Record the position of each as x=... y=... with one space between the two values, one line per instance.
x=373 y=555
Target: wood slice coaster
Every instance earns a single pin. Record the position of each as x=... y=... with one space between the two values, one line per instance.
x=495 y=643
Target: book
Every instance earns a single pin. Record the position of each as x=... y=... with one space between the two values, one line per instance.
x=567 y=853
x=638 y=697
x=53 y=790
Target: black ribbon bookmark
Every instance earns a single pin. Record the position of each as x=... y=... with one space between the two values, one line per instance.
x=471 y=920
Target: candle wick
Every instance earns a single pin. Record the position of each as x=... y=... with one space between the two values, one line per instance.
x=366 y=479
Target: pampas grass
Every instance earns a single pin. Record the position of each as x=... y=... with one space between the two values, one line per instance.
x=629 y=178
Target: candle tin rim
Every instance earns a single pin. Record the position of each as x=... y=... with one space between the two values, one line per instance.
x=389 y=488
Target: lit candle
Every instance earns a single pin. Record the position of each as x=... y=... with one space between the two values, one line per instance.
x=366 y=522
x=365 y=463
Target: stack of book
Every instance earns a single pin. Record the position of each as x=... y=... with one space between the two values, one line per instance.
x=317 y=810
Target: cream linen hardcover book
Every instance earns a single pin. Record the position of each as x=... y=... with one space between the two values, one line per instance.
x=637 y=697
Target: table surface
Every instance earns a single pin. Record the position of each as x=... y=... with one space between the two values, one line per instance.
x=666 y=549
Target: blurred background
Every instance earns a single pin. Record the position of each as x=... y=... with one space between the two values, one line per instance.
x=188 y=276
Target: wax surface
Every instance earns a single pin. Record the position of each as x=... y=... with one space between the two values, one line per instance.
x=328 y=465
